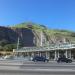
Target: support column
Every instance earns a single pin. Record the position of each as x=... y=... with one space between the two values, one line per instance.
x=55 y=55
x=70 y=54
x=58 y=54
x=27 y=53
x=66 y=54
x=39 y=53
x=32 y=54
x=47 y=54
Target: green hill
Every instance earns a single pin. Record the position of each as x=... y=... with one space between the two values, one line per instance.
x=39 y=27
x=30 y=35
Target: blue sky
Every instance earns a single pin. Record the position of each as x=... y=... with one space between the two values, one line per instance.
x=55 y=14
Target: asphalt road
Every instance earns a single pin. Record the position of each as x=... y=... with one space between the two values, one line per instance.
x=35 y=73
x=9 y=67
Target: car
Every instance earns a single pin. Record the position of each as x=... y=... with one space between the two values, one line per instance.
x=40 y=58
x=62 y=59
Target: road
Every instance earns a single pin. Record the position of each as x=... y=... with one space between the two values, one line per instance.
x=10 y=67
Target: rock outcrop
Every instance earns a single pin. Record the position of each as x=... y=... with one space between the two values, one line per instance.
x=34 y=37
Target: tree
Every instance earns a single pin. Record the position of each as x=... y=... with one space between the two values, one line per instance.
x=9 y=47
x=3 y=42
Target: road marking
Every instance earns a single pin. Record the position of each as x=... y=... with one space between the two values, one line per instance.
x=41 y=70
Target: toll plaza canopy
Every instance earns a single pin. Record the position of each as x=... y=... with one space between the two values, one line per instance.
x=45 y=48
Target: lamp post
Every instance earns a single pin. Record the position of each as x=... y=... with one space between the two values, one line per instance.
x=41 y=38
x=19 y=35
x=18 y=43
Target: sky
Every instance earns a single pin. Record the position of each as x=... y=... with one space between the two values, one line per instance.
x=55 y=14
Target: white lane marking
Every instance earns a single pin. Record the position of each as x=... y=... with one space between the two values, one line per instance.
x=47 y=70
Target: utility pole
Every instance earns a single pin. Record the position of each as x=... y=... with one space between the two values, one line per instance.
x=41 y=39
x=18 y=42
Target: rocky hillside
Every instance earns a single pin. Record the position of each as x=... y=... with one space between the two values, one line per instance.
x=48 y=36
x=31 y=34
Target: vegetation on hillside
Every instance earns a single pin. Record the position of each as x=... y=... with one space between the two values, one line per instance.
x=50 y=33
x=40 y=27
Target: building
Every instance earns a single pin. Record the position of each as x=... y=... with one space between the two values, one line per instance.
x=52 y=52
x=43 y=48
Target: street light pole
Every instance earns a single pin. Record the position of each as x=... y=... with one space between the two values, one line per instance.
x=41 y=38
x=18 y=43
